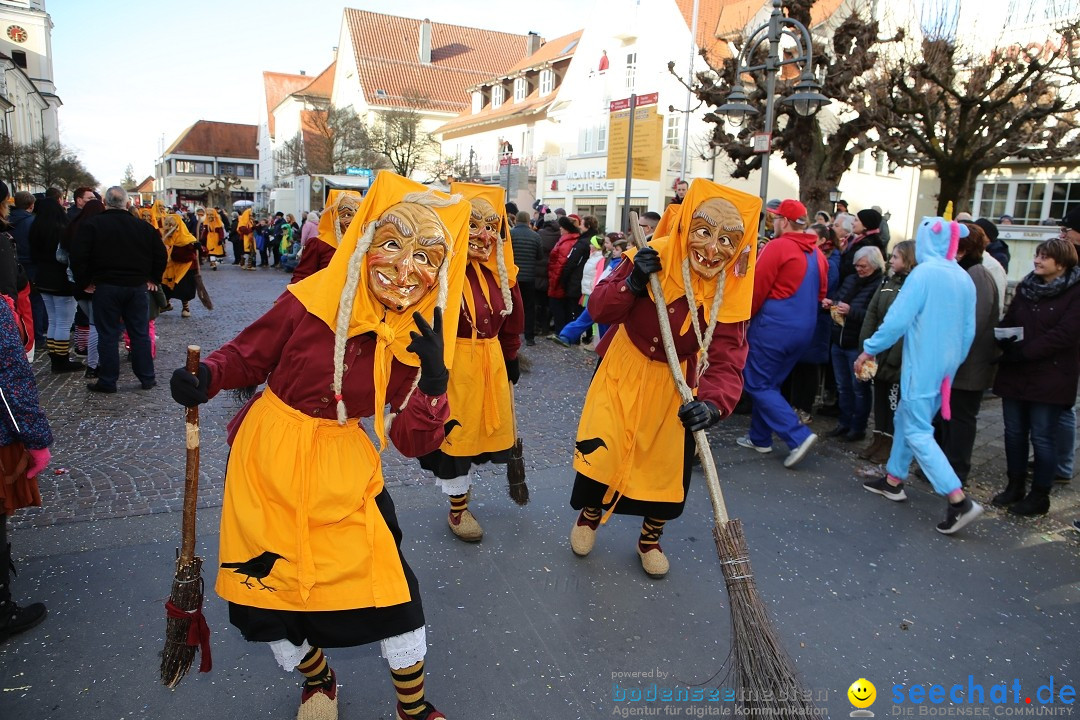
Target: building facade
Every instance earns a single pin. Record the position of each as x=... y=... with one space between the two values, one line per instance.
x=190 y=173
x=27 y=91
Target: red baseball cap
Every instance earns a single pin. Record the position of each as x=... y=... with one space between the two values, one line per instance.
x=792 y=210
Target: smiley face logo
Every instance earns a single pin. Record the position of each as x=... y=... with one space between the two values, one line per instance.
x=862 y=693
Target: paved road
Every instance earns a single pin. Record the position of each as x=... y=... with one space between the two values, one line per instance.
x=519 y=627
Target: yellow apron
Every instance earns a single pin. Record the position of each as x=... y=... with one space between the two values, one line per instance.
x=630 y=437
x=479 y=398
x=174 y=272
x=213 y=242
x=304 y=488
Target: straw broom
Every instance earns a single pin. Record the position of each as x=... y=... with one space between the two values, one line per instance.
x=186 y=627
x=515 y=466
x=762 y=673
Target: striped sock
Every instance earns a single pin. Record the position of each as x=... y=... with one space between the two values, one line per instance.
x=459 y=504
x=315 y=669
x=409 y=685
x=590 y=517
x=651 y=530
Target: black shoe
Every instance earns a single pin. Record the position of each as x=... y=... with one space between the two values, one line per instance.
x=854 y=436
x=838 y=431
x=64 y=364
x=90 y=374
x=829 y=411
x=1013 y=493
x=959 y=515
x=884 y=488
x=99 y=387
x=82 y=353
x=149 y=385
x=15 y=619
x=1037 y=502
x=530 y=342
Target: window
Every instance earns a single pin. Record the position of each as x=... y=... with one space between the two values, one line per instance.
x=547 y=81
x=238 y=170
x=590 y=140
x=995 y=196
x=190 y=167
x=601 y=139
x=496 y=96
x=521 y=89
x=672 y=130
x=879 y=162
x=1064 y=198
x=631 y=69
x=860 y=161
x=477 y=101
x=1027 y=207
x=19 y=57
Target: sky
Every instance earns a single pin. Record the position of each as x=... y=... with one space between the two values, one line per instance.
x=133 y=77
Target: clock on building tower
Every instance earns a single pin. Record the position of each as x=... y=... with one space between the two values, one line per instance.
x=16 y=34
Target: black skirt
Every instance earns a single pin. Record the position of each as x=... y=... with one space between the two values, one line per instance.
x=337 y=628
x=183 y=290
x=448 y=467
x=589 y=493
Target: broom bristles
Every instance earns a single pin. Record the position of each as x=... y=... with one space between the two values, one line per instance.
x=187 y=593
x=515 y=474
x=761 y=672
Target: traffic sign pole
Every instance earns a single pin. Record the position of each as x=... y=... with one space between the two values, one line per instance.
x=629 y=165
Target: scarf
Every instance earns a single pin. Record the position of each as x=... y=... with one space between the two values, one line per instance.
x=1033 y=288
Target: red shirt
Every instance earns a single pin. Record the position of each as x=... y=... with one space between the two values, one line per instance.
x=781 y=267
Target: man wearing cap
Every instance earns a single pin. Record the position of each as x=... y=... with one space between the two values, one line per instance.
x=766 y=231
x=867 y=233
x=790 y=281
x=997 y=248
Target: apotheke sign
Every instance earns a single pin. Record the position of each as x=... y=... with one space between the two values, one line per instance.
x=581 y=180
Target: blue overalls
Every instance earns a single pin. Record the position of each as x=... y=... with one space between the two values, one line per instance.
x=779 y=335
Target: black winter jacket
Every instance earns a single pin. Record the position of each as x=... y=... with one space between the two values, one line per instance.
x=117 y=248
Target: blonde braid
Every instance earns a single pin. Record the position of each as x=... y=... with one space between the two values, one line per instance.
x=691 y=300
x=504 y=279
x=345 y=306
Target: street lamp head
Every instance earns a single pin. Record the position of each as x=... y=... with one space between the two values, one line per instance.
x=835 y=194
x=736 y=109
x=807 y=98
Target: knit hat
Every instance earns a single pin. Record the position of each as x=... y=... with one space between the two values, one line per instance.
x=991 y=229
x=1072 y=219
x=793 y=211
x=773 y=205
x=871 y=219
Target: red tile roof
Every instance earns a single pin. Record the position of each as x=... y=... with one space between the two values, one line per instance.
x=386 y=48
x=322 y=85
x=146 y=185
x=551 y=52
x=712 y=15
x=209 y=139
x=279 y=86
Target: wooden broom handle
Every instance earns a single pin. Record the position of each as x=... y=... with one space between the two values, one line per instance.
x=191 y=469
x=712 y=479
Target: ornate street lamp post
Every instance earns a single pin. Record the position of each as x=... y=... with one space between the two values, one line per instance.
x=806 y=97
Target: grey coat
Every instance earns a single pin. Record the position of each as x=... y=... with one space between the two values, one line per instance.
x=978 y=369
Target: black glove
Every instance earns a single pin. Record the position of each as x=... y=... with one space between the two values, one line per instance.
x=646 y=262
x=698 y=415
x=513 y=370
x=1011 y=350
x=428 y=346
x=190 y=390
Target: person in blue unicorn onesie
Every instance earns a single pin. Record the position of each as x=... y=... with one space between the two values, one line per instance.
x=935 y=315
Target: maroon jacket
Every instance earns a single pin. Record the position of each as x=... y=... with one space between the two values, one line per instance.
x=612 y=303
x=302 y=346
x=314 y=257
x=1051 y=348
x=490 y=322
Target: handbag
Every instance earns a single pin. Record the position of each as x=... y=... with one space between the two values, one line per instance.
x=16 y=489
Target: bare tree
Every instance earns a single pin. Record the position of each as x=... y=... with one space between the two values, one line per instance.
x=71 y=174
x=219 y=189
x=331 y=141
x=961 y=111
x=820 y=152
x=290 y=159
x=46 y=163
x=15 y=160
x=397 y=135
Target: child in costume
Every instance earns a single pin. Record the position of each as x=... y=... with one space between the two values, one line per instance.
x=310 y=545
x=481 y=425
x=935 y=315
x=340 y=208
x=634 y=443
x=245 y=227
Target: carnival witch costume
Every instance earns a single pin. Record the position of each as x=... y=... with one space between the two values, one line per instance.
x=182 y=266
x=340 y=208
x=310 y=545
x=633 y=446
x=213 y=239
x=481 y=425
